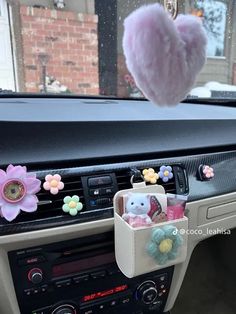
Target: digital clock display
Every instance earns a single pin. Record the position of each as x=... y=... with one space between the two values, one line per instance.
x=101 y=294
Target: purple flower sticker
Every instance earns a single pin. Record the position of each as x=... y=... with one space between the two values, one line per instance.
x=165 y=173
x=17 y=191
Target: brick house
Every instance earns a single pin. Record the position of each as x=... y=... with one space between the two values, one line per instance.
x=66 y=39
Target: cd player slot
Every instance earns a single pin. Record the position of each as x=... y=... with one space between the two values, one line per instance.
x=81 y=265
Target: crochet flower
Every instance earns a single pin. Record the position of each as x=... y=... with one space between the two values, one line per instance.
x=208 y=172
x=165 y=173
x=53 y=183
x=150 y=175
x=72 y=205
x=164 y=244
x=17 y=191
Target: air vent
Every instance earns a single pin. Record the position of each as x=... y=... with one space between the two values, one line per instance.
x=177 y=185
x=51 y=205
x=94 y=198
x=49 y=213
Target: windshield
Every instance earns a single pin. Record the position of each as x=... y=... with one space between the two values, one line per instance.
x=75 y=47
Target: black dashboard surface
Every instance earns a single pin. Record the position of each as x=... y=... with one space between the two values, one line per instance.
x=36 y=130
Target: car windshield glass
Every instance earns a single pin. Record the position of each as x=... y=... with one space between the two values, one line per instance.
x=75 y=47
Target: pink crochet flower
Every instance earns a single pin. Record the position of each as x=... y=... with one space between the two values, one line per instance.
x=17 y=191
x=53 y=183
x=208 y=172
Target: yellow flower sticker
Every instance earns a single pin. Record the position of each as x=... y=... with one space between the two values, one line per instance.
x=150 y=175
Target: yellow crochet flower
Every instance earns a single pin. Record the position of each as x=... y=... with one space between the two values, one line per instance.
x=150 y=175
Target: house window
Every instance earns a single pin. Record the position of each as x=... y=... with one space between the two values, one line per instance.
x=213 y=15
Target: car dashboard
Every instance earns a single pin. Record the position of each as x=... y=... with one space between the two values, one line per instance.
x=54 y=263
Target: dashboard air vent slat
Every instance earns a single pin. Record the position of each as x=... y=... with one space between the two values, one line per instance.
x=123 y=181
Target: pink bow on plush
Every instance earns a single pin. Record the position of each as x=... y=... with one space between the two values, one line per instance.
x=164 y=56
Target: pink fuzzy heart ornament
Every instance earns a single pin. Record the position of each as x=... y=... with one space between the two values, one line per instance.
x=164 y=55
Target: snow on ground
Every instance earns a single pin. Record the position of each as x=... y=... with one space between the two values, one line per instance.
x=206 y=90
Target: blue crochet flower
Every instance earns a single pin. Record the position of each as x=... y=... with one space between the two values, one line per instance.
x=165 y=173
x=164 y=244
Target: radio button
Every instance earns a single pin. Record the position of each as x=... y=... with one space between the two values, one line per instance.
x=101 y=307
x=155 y=306
x=87 y=311
x=113 y=303
x=28 y=292
x=63 y=283
x=162 y=279
x=125 y=300
x=31 y=260
x=44 y=288
x=35 y=291
x=98 y=274
x=80 y=279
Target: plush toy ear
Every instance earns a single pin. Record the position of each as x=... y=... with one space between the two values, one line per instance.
x=125 y=199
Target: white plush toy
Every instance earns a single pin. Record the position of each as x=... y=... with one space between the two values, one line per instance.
x=136 y=210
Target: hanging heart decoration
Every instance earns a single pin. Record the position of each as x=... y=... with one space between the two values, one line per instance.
x=164 y=55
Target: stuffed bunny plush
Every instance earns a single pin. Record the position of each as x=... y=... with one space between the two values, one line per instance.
x=136 y=210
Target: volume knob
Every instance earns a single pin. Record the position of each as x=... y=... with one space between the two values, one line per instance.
x=65 y=309
x=147 y=292
x=35 y=275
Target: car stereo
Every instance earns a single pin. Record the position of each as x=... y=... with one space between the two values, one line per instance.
x=81 y=277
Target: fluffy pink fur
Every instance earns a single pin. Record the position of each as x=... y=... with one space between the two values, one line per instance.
x=164 y=56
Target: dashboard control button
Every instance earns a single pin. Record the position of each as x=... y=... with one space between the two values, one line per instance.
x=103 y=201
x=95 y=192
x=79 y=279
x=93 y=202
x=35 y=275
x=28 y=292
x=107 y=191
x=63 y=283
x=113 y=303
x=31 y=260
x=101 y=307
x=64 y=309
x=87 y=311
x=44 y=288
x=98 y=181
x=125 y=300
x=147 y=292
x=98 y=274
x=162 y=279
x=149 y=295
x=41 y=311
x=155 y=306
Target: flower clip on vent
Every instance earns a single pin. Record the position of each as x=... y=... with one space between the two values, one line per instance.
x=17 y=191
x=53 y=183
x=164 y=55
